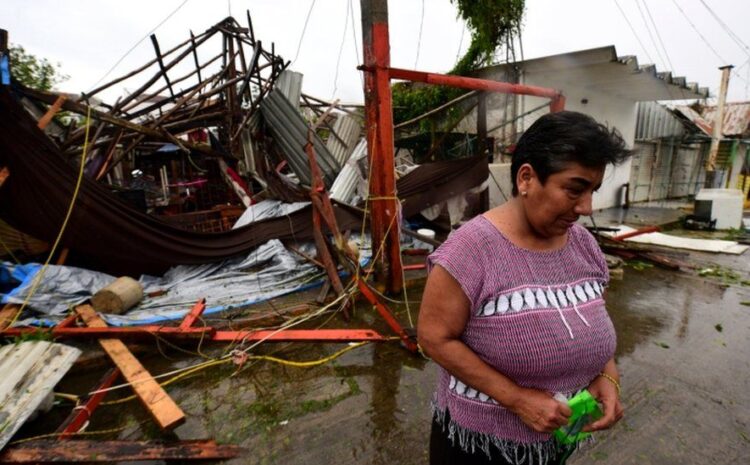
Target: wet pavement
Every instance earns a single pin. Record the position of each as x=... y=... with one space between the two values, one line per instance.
x=683 y=353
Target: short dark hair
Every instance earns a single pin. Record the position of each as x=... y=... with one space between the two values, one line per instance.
x=557 y=139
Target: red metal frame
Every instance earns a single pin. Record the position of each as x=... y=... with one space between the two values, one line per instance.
x=319 y=335
x=379 y=123
x=637 y=232
x=81 y=414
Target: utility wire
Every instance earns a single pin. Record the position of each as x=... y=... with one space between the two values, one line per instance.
x=419 y=38
x=650 y=35
x=341 y=49
x=632 y=29
x=658 y=35
x=356 y=45
x=729 y=32
x=460 y=43
x=137 y=44
x=705 y=41
x=304 y=28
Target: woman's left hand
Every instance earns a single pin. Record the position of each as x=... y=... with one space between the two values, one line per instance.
x=605 y=392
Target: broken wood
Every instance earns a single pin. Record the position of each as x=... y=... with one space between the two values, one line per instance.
x=51 y=112
x=118 y=296
x=46 y=450
x=165 y=411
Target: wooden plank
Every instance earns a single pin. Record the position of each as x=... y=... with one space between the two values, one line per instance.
x=8 y=314
x=51 y=112
x=46 y=450
x=165 y=411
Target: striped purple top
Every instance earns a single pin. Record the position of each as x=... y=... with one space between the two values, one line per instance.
x=537 y=317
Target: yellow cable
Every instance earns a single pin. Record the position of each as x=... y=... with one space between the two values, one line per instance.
x=40 y=274
x=79 y=433
x=202 y=366
x=10 y=252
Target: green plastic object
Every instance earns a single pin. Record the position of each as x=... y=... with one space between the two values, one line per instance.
x=585 y=410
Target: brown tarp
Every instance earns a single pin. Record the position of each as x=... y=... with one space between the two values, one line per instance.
x=111 y=236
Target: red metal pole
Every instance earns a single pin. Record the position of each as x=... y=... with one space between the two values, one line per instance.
x=637 y=232
x=463 y=82
x=384 y=222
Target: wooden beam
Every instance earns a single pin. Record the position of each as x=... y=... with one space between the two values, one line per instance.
x=50 y=450
x=165 y=411
x=161 y=63
x=51 y=112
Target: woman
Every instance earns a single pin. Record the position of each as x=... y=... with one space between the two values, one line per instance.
x=513 y=310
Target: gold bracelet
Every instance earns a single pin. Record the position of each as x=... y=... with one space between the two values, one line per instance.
x=611 y=380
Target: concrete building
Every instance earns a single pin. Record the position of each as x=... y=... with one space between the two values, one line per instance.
x=597 y=82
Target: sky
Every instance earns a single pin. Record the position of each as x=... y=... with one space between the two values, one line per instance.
x=88 y=37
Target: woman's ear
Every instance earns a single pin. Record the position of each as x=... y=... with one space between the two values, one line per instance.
x=524 y=177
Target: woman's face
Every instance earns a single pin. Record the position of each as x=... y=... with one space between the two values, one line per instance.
x=551 y=208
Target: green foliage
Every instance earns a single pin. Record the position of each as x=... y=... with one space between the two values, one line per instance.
x=37 y=73
x=493 y=23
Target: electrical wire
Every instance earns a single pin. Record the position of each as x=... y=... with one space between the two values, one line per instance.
x=419 y=37
x=460 y=44
x=729 y=31
x=304 y=28
x=650 y=35
x=658 y=35
x=632 y=29
x=130 y=50
x=356 y=45
x=705 y=41
x=213 y=363
x=341 y=49
x=79 y=181
x=178 y=371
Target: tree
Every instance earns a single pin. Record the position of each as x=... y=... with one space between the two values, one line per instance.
x=37 y=73
x=493 y=25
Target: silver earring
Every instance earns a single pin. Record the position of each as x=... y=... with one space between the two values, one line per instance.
x=524 y=193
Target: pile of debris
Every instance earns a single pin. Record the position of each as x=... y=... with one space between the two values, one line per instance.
x=218 y=175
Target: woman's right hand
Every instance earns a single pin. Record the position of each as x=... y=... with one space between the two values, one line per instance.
x=539 y=410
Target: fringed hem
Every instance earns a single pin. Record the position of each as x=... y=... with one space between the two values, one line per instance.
x=470 y=441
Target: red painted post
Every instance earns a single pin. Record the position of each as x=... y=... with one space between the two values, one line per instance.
x=384 y=217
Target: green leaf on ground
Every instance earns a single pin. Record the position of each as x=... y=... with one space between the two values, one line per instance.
x=663 y=345
x=746 y=303
x=719 y=327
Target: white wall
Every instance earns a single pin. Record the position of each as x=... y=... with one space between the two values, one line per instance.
x=608 y=109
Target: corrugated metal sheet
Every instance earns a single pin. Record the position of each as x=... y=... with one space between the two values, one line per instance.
x=348 y=131
x=736 y=118
x=655 y=121
x=736 y=121
x=30 y=370
x=289 y=132
x=289 y=83
x=345 y=187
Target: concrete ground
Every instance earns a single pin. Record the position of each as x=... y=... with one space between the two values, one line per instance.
x=683 y=353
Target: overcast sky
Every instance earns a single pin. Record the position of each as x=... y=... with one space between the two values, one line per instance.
x=89 y=36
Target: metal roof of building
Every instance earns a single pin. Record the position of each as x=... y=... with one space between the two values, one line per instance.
x=601 y=69
x=30 y=371
x=736 y=120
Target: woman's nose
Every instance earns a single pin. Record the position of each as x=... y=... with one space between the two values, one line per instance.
x=584 y=205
